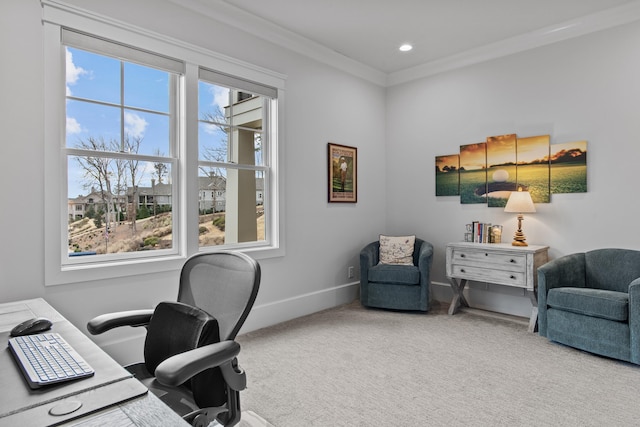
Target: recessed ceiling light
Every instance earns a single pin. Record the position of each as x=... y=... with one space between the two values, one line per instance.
x=405 y=47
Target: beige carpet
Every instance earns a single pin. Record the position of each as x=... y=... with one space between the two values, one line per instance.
x=351 y=366
x=248 y=419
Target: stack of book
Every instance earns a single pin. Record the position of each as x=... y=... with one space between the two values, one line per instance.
x=482 y=232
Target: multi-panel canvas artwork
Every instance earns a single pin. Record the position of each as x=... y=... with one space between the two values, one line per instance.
x=488 y=172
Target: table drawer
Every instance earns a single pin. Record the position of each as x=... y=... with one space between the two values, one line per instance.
x=511 y=262
x=488 y=274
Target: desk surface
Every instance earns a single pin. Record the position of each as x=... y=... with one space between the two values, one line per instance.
x=111 y=397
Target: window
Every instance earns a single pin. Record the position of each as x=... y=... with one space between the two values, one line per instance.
x=120 y=145
x=232 y=139
x=161 y=149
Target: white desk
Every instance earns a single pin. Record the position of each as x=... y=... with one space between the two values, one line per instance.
x=499 y=263
x=111 y=397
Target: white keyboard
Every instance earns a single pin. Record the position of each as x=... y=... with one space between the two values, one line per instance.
x=48 y=359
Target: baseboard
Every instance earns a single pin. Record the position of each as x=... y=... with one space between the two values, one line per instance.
x=272 y=313
x=128 y=349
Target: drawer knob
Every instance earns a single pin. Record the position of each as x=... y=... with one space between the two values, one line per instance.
x=461 y=255
x=512 y=276
x=512 y=260
x=462 y=270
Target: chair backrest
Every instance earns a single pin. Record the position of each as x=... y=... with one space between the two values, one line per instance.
x=612 y=269
x=224 y=284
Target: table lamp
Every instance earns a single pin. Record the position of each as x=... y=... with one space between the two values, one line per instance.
x=520 y=202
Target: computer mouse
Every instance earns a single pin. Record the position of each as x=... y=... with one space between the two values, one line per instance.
x=31 y=326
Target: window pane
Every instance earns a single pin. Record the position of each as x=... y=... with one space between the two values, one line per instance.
x=247 y=111
x=213 y=142
x=231 y=206
x=92 y=76
x=118 y=205
x=93 y=125
x=146 y=88
x=151 y=132
x=213 y=103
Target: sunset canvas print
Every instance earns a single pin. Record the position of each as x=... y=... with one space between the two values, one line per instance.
x=501 y=169
x=473 y=173
x=533 y=167
x=447 y=178
x=569 y=167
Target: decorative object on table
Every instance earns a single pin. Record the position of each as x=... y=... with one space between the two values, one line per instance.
x=387 y=282
x=496 y=234
x=520 y=202
x=588 y=301
x=343 y=173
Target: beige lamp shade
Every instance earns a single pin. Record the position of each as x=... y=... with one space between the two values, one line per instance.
x=520 y=202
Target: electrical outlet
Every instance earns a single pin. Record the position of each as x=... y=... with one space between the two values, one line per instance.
x=350 y=272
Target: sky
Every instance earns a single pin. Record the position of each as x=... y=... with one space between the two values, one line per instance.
x=133 y=99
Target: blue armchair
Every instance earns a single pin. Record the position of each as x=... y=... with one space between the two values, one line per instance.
x=591 y=301
x=398 y=287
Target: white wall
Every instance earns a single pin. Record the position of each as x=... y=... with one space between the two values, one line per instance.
x=322 y=240
x=582 y=89
x=586 y=88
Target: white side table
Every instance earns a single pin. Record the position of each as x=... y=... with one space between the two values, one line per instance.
x=498 y=263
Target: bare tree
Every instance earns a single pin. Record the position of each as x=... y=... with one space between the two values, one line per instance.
x=132 y=145
x=160 y=168
x=98 y=172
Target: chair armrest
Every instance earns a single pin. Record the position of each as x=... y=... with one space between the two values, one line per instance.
x=566 y=271
x=369 y=255
x=634 y=319
x=425 y=255
x=108 y=321
x=181 y=367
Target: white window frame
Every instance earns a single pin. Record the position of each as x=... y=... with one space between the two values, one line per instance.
x=57 y=15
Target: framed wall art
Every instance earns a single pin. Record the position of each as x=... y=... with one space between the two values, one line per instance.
x=343 y=173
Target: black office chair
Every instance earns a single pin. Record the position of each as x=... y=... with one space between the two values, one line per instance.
x=190 y=349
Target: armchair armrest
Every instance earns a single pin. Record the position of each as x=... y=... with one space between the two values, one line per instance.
x=369 y=255
x=181 y=367
x=108 y=321
x=634 y=319
x=566 y=271
x=425 y=255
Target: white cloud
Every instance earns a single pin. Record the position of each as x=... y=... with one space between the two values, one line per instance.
x=220 y=97
x=134 y=125
x=73 y=126
x=73 y=72
x=209 y=129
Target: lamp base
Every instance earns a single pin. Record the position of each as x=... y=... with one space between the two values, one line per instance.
x=518 y=237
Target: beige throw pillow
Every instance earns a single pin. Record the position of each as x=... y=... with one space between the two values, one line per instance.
x=397 y=250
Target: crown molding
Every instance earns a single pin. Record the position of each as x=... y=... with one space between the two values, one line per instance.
x=609 y=18
x=226 y=13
